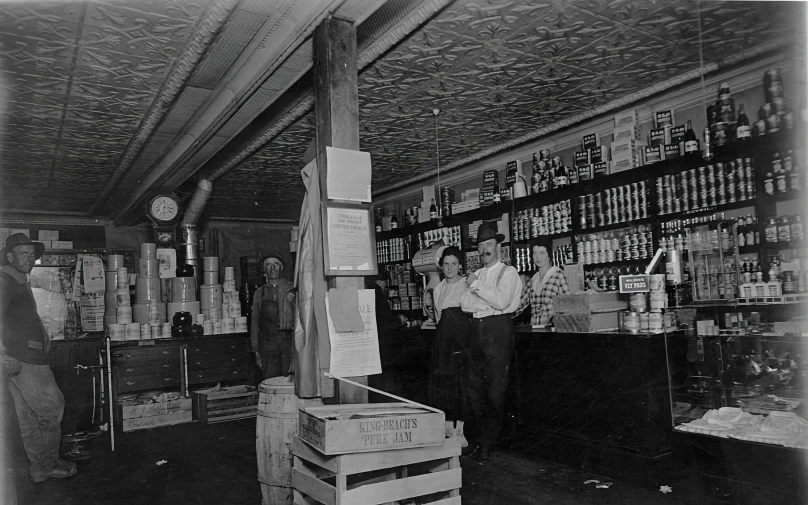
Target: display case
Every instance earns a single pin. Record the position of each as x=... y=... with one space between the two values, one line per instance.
x=712 y=257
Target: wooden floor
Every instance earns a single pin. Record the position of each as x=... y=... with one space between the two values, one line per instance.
x=216 y=465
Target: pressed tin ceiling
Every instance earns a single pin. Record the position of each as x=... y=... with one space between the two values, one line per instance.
x=82 y=75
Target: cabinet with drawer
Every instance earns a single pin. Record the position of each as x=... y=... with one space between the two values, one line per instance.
x=178 y=364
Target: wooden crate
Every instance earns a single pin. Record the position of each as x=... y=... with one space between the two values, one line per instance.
x=227 y=407
x=369 y=478
x=341 y=429
x=169 y=419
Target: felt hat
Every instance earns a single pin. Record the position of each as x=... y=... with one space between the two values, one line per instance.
x=275 y=256
x=20 y=239
x=487 y=231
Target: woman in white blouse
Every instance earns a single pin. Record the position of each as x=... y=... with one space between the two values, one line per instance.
x=447 y=385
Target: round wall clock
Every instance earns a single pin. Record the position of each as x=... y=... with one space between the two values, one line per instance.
x=164 y=208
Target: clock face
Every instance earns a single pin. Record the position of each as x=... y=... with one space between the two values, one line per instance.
x=164 y=208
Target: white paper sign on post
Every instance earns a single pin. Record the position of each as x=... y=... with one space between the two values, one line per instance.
x=348 y=176
x=356 y=354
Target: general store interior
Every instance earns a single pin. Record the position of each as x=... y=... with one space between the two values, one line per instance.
x=108 y=104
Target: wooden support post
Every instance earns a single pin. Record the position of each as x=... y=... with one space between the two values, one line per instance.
x=336 y=109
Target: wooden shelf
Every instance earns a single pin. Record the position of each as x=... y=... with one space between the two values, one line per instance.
x=616 y=226
x=707 y=210
x=638 y=261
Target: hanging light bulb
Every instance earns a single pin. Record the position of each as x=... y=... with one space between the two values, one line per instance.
x=435 y=113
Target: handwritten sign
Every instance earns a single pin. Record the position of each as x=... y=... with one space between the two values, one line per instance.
x=355 y=353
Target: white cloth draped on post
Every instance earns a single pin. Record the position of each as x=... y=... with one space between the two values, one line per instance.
x=311 y=330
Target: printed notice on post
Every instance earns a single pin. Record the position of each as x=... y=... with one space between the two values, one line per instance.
x=356 y=353
x=349 y=239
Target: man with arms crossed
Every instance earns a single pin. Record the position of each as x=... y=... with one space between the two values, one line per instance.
x=495 y=293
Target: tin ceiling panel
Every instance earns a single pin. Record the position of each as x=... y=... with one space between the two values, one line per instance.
x=81 y=76
x=498 y=69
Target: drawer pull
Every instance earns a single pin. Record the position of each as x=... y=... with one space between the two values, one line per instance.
x=166 y=352
x=130 y=383
x=117 y=355
x=168 y=379
x=200 y=376
x=166 y=366
x=131 y=369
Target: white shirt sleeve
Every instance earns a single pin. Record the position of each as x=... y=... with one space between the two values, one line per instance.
x=503 y=295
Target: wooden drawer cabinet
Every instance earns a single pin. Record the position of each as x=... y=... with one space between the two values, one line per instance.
x=216 y=375
x=177 y=364
x=140 y=382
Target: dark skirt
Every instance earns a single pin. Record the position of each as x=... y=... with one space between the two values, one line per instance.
x=447 y=376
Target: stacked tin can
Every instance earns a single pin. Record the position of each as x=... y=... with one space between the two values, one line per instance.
x=646 y=309
x=706 y=186
x=614 y=205
x=446 y=200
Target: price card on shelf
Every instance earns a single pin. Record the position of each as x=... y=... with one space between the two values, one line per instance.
x=635 y=283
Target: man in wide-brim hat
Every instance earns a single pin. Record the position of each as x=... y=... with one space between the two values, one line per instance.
x=38 y=402
x=495 y=294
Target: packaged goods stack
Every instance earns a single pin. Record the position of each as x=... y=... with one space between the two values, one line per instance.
x=149 y=310
x=117 y=310
x=626 y=146
x=210 y=297
x=591 y=162
x=232 y=320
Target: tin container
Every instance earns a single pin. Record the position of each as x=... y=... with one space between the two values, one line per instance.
x=631 y=322
x=655 y=321
x=638 y=303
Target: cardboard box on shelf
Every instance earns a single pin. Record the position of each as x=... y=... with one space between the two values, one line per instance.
x=590 y=141
x=62 y=244
x=48 y=235
x=627 y=117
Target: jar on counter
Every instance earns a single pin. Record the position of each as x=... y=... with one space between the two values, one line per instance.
x=784 y=229
x=797 y=232
x=789 y=286
x=771 y=230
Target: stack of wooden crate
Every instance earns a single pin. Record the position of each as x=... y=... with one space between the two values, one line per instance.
x=374 y=453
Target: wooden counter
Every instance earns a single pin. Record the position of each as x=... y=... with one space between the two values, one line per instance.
x=599 y=401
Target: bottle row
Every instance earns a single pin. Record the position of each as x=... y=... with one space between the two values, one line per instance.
x=613 y=206
x=394 y=249
x=784 y=175
x=706 y=186
x=450 y=235
x=783 y=229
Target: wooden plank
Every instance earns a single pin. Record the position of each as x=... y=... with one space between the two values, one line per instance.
x=368 y=461
x=314 y=487
x=229 y=418
x=302 y=499
x=454 y=500
x=308 y=453
x=235 y=410
x=419 y=485
x=312 y=469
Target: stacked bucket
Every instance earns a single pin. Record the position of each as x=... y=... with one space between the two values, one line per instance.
x=210 y=297
x=149 y=310
x=232 y=319
x=118 y=310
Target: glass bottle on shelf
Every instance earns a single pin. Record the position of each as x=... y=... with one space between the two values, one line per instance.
x=691 y=141
x=743 y=130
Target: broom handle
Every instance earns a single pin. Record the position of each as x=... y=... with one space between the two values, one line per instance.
x=348 y=381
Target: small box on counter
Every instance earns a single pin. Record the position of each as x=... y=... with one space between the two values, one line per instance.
x=46 y=243
x=512 y=168
x=626 y=133
x=62 y=244
x=581 y=158
x=600 y=169
x=672 y=151
x=490 y=179
x=342 y=429
x=663 y=118
x=585 y=173
x=48 y=235
x=595 y=154
x=625 y=118
x=677 y=134
x=590 y=141
x=653 y=154
x=656 y=137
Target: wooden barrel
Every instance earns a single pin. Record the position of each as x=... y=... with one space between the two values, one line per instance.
x=275 y=429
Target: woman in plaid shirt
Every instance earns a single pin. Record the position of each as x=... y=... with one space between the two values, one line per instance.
x=548 y=282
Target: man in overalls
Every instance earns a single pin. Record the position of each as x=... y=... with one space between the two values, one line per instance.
x=273 y=321
x=495 y=293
